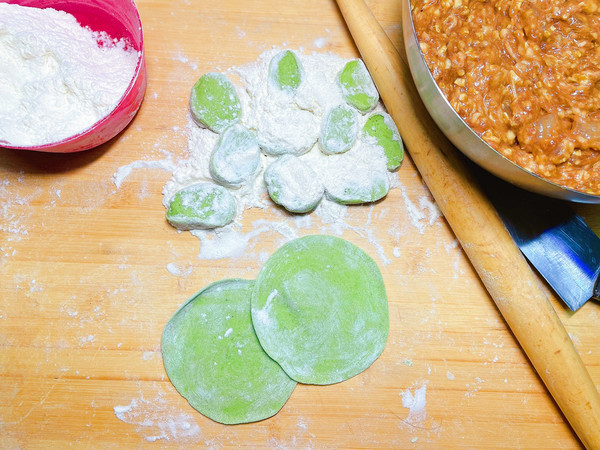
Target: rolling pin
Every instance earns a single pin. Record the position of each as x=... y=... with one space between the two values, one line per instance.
x=507 y=276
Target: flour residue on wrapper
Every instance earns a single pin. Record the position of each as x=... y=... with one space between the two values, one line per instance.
x=280 y=117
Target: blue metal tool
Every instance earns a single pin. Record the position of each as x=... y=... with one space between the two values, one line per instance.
x=557 y=242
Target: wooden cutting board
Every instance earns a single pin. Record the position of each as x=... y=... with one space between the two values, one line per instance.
x=90 y=273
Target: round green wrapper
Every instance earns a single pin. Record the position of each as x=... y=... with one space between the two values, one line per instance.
x=214 y=359
x=319 y=309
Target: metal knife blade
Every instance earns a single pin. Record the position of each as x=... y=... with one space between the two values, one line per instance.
x=557 y=242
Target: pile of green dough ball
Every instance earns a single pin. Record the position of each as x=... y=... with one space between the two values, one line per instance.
x=290 y=182
x=316 y=314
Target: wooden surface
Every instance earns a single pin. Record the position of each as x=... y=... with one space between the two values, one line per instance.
x=518 y=293
x=85 y=290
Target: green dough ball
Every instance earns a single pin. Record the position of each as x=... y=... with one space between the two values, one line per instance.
x=202 y=205
x=236 y=158
x=292 y=184
x=214 y=359
x=319 y=308
x=357 y=184
x=285 y=71
x=357 y=86
x=339 y=130
x=214 y=102
x=381 y=128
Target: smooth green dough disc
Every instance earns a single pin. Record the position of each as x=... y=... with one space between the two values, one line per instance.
x=319 y=308
x=214 y=102
x=380 y=128
x=201 y=206
x=214 y=359
x=357 y=86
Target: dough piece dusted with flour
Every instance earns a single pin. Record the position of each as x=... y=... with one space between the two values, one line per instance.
x=214 y=359
x=339 y=130
x=319 y=309
x=357 y=86
x=381 y=130
x=235 y=159
x=214 y=102
x=356 y=181
x=285 y=72
x=201 y=206
x=287 y=130
x=292 y=184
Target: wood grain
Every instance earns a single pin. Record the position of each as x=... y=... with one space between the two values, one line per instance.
x=501 y=266
x=85 y=291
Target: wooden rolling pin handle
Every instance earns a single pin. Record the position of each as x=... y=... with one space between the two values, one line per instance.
x=514 y=287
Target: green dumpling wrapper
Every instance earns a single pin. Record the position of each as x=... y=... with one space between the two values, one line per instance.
x=214 y=360
x=319 y=309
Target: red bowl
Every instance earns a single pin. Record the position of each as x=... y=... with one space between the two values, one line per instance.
x=119 y=19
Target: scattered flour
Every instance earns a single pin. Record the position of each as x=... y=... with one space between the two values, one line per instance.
x=417 y=215
x=265 y=110
x=157 y=420
x=178 y=271
x=124 y=171
x=55 y=80
x=320 y=42
x=416 y=404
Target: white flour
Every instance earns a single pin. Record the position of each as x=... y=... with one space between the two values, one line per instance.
x=416 y=404
x=55 y=80
x=275 y=116
x=317 y=93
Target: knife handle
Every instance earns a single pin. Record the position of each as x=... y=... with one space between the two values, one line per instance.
x=513 y=286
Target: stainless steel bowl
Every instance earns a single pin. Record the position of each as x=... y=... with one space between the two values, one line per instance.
x=463 y=137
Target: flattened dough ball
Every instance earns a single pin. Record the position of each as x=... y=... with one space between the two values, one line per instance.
x=235 y=159
x=357 y=86
x=201 y=206
x=339 y=130
x=357 y=183
x=214 y=103
x=285 y=72
x=292 y=184
x=381 y=129
x=319 y=308
x=213 y=358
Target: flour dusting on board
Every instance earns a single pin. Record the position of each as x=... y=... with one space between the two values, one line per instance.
x=157 y=420
x=416 y=404
x=269 y=114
